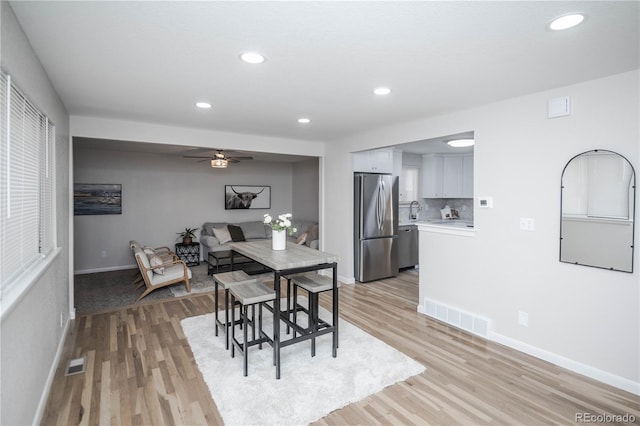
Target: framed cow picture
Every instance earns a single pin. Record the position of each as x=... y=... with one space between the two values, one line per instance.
x=247 y=197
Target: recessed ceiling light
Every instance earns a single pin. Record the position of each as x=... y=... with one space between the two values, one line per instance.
x=382 y=91
x=204 y=105
x=252 y=58
x=567 y=21
x=461 y=143
x=304 y=120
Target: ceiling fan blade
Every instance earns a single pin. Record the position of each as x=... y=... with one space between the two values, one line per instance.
x=239 y=158
x=195 y=156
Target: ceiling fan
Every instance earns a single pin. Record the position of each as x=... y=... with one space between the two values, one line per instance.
x=220 y=160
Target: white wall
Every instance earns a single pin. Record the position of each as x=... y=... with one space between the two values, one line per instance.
x=161 y=195
x=586 y=316
x=31 y=333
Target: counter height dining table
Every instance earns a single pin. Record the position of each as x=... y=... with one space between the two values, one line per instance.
x=293 y=260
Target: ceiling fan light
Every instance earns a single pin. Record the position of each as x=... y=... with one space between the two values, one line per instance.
x=219 y=163
x=461 y=143
x=203 y=105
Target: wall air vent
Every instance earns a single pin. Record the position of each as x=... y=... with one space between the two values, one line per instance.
x=467 y=321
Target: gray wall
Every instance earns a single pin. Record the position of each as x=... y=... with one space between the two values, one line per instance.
x=581 y=317
x=306 y=189
x=161 y=195
x=31 y=331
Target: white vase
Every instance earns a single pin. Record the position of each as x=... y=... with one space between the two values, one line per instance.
x=279 y=240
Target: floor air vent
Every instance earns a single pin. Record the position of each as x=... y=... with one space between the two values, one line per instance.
x=76 y=366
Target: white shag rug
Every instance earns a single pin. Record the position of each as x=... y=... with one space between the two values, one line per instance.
x=309 y=388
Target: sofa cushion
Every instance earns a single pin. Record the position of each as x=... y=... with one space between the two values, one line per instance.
x=207 y=228
x=253 y=230
x=222 y=234
x=236 y=233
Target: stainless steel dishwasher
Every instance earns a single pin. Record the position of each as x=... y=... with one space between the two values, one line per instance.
x=407 y=246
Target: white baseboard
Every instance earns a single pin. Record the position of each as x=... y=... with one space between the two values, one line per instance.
x=37 y=418
x=586 y=370
x=107 y=269
x=569 y=364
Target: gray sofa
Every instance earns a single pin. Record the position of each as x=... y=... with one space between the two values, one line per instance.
x=253 y=230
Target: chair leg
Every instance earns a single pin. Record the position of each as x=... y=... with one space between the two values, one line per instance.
x=313 y=319
x=295 y=307
x=147 y=291
x=216 y=303
x=226 y=317
x=245 y=352
x=233 y=328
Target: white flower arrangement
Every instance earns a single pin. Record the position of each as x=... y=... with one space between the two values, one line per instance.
x=282 y=223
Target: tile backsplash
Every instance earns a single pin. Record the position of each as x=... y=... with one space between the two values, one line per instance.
x=430 y=208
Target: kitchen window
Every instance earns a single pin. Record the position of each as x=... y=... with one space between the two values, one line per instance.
x=409 y=178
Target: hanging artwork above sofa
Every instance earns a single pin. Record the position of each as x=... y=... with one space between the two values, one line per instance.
x=247 y=197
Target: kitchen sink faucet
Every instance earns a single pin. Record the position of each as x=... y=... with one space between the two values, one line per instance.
x=413 y=215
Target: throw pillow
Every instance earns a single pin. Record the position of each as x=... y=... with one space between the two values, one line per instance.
x=222 y=234
x=236 y=233
x=154 y=260
x=302 y=238
x=149 y=251
x=312 y=232
x=253 y=230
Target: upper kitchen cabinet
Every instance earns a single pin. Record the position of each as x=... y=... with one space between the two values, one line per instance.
x=374 y=161
x=447 y=176
x=432 y=165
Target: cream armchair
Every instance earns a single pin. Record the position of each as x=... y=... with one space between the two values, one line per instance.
x=161 y=274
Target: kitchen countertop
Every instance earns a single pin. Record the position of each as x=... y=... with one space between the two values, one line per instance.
x=451 y=227
x=440 y=222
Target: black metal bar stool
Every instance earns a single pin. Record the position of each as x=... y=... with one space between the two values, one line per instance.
x=314 y=284
x=249 y=295
x=226 y=280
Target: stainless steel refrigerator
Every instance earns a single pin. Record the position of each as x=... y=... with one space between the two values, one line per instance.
x=375 y=226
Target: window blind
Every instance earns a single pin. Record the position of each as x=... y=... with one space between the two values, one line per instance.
x=27 y=185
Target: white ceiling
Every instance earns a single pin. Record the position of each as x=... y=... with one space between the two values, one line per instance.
x=151 y=61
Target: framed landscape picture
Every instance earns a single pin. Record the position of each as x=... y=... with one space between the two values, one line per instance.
x=247 y=197
x=96 y=199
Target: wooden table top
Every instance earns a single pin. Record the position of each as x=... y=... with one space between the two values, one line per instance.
x=294 y=256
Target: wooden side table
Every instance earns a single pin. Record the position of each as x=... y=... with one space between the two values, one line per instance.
x=189 y=253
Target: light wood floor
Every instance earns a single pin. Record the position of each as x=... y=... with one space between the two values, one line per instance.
x=141 y=370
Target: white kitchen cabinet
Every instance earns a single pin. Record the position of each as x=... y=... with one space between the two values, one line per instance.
x=447 y=176
x=432 y=176
x=374 y=161
x=452 y=176
x=467 y=176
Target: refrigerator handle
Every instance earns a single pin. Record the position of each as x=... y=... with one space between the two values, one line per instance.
x=381 y=206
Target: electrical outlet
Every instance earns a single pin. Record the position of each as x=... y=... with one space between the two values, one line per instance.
x=103 y=253
x=523 y=318
x=61 y=320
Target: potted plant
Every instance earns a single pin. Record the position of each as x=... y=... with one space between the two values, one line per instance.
x=187 y=235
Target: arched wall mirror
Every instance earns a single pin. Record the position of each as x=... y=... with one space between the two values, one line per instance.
x=598 y=211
